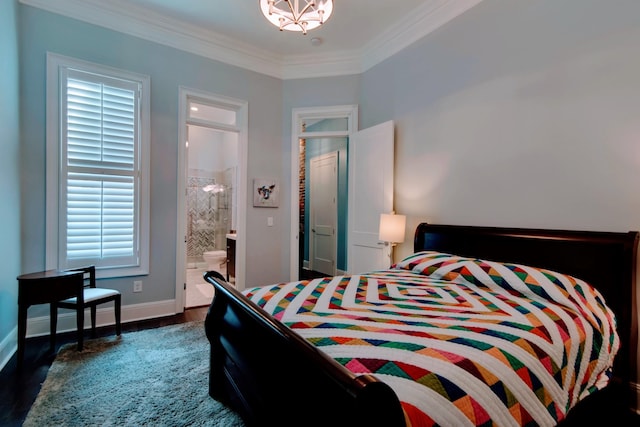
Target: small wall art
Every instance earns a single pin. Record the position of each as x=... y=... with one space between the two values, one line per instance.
x=265 y=193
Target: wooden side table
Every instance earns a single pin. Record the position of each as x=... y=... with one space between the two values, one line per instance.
x=47 y=287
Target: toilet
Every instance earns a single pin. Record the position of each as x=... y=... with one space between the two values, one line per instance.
x=214 y=259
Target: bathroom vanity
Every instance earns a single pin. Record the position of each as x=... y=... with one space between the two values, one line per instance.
x=231 y=256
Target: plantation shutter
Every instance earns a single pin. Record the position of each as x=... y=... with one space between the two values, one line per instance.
x=99 y=201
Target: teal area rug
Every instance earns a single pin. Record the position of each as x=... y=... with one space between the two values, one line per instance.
x=155 y=377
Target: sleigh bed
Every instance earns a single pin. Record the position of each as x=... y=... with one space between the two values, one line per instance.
x=479 y=326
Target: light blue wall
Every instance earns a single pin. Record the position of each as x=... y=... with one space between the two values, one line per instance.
x=42 y=32
x=10 y=177
x=517 y=114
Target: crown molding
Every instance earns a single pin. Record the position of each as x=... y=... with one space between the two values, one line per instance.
x=128 y=18
x=326 y=65
x=427 y=18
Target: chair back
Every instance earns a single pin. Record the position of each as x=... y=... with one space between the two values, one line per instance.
x=89 y=275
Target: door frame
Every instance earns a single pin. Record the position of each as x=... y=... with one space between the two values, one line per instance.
x=298 y=115
x=242 y=128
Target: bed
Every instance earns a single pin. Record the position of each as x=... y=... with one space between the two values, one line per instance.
x=325 y=351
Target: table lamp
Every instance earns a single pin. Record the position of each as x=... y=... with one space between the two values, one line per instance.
x=392 y=229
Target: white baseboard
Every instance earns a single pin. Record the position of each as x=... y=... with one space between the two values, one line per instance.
x=39 y=326
x=8 y=346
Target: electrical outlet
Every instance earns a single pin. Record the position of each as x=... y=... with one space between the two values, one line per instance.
x=137 y=286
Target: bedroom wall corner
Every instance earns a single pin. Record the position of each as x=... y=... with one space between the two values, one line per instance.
x=301 y=93
x=9 y=178
x=539 y=129
x=169 y=69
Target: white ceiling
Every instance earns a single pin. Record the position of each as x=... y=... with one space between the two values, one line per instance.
x=358 y=35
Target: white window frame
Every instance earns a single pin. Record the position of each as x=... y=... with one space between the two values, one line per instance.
x=57 y=66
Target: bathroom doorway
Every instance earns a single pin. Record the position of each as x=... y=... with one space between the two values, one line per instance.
x=211 y=188
x=212 y=164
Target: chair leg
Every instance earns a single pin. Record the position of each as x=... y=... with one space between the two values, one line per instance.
x=116 y=305
x=53 y=325
x=93 y=321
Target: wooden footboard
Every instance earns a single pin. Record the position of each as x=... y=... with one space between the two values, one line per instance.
x=272 y=376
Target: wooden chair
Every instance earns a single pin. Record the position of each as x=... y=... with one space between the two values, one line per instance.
x=92 y=297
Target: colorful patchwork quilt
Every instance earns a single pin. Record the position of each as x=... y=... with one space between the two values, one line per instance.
x=462 y=342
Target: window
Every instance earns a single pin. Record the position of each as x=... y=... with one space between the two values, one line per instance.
x=97 y=168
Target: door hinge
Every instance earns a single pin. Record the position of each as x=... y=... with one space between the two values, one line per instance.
x=185 y=286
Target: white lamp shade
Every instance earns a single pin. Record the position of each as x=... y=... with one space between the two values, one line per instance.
x=392 y=228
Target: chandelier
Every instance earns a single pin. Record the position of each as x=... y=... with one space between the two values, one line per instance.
x=297 y=15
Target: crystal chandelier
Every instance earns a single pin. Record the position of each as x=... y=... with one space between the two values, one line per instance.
x=297 y=15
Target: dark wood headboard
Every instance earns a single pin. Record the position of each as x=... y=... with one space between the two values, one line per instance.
x=606 y=260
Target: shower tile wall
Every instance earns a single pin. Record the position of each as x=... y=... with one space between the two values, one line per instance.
x=208 y=215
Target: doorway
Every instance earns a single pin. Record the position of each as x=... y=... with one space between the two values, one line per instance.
x=211 y=206
x=318 y=132
x=211 y=186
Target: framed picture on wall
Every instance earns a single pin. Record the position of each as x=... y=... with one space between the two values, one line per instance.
x=265 y=193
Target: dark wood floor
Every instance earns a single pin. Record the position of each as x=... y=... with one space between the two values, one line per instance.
x=305 y=274
x=18 y=389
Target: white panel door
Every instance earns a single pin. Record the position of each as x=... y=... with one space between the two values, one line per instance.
x=370 y=194
x=323 y=213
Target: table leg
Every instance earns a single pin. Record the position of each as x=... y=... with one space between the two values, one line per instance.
x=53 y=326
x=22 y=331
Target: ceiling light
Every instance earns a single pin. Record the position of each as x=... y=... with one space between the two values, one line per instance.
x=297 y=15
